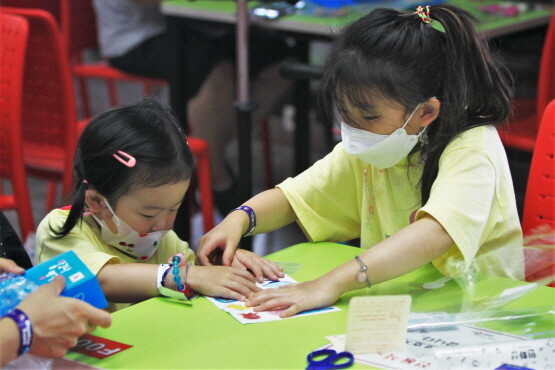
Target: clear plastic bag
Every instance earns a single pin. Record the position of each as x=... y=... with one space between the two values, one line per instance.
x=13 y=289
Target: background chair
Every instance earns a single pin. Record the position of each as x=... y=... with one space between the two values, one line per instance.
x=49 y=119
x=522 y=129
x=13 y=33
x=77 y=23
x=539 y=204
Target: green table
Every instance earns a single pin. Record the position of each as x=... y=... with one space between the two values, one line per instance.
x=224 y=12
x=173 y=335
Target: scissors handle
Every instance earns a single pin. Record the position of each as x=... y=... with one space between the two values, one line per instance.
x=331 y=360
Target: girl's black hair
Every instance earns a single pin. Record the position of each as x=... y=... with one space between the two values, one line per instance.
x=147 y=131
x=393 y=54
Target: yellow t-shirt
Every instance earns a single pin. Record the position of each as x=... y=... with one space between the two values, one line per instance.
x=342 y=198
x=85 y=240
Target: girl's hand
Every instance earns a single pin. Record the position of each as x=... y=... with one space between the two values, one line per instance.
x=222 y=281
x=217 y=247
x=295 y=298
x=258 y=266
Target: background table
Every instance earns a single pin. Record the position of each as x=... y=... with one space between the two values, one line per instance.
x=304 y=28
x=173 y=335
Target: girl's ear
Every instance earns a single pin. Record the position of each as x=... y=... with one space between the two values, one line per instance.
x=430 y=111
x=94 y=201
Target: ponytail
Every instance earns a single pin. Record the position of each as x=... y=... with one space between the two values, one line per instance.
x=476 y=89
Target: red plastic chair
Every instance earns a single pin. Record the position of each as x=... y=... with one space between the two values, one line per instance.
x=14 y=31
x=49 y=119
x=522 y=129
x=539 y=204
x=78 y=23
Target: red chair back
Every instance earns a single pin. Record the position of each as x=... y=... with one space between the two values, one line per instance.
x=539 y=203
x=546 y=82
x=49 y=119
x=14 y=33
x=78 y=22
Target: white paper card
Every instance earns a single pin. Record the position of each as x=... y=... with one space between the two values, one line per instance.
x=377 y=324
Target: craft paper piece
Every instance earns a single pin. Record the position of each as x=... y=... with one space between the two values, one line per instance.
x=246 y=315
x=422 y=345
x=377 y=323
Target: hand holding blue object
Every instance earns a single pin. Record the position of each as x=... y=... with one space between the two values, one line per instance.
x=329 y=359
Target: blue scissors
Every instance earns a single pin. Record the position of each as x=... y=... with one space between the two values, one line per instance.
x=329 y=359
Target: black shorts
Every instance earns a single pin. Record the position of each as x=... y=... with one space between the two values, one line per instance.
x=151 y=58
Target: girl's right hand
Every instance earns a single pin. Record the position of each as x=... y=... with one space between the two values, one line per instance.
x=222 y=281
x=217 y=247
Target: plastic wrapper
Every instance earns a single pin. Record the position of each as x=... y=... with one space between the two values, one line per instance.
x=13 y=289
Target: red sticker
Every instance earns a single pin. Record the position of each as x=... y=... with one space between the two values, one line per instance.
x=93 y=346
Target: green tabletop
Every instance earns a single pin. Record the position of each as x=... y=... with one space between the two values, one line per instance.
x=165 y=334
x=224 y=12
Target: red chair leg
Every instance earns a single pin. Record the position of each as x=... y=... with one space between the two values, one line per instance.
x=50 y=195
x=24 y=210
x=113 y=93
x=205 y=189
x=84 y=96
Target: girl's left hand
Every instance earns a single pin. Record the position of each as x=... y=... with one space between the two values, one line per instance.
x=294 y=298
x=258 y=266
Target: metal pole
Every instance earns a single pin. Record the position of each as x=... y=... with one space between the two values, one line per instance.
x=244 y=107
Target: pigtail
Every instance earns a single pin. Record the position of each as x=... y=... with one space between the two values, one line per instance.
x=77 y=207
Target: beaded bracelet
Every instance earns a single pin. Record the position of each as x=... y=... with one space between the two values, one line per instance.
x=362 y=274
x=182 y=287
x=25 y=329
x=252 y=218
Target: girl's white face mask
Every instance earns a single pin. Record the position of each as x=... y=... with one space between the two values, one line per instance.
x=380 y=151
x=127 y=240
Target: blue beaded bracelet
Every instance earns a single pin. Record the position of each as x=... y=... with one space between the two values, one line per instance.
x=184 y=287
x=25 y=329
x=252 y=218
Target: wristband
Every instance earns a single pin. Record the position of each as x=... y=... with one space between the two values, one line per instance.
x=163 y=270
x=252 y=218
x=362 y=274
x=25 y=329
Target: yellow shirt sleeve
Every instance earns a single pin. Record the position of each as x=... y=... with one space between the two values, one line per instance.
x=326 y=198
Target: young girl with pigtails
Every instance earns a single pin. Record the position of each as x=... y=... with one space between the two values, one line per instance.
x=132 y=169
x=420 y=175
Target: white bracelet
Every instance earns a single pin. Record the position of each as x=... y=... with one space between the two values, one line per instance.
x=166 y=292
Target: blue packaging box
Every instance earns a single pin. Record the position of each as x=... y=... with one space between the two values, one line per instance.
x=80 y=281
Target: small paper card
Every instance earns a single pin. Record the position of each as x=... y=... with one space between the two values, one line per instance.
x=377 y=324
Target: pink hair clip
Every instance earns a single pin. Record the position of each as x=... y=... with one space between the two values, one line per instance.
x=424 y=16
x=129 y=162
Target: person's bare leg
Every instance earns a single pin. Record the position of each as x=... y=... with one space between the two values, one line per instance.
x=211 y=117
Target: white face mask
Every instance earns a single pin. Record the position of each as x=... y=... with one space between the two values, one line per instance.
x=127 y=240
x=380 y=151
